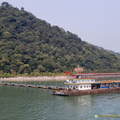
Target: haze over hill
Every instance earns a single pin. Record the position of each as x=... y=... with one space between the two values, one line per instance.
x=31 y=45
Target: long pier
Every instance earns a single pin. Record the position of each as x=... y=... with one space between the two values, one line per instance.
x=33 y=86
x=97 y=75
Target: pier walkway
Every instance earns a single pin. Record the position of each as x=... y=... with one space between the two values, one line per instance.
x=33 y=86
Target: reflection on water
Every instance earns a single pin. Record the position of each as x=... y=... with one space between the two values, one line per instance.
x=84 y=100
x=19 y=103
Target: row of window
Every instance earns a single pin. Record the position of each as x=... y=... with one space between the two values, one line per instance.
x=82 y=86
x=85 y=86
x=86 y=81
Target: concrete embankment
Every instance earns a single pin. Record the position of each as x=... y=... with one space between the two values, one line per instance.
x=40 y=78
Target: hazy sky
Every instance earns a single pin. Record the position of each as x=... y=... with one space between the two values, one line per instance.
x=94 y=21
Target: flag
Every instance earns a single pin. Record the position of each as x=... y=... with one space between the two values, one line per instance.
x=67 y=72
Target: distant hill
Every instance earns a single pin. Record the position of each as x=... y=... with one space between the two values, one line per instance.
x=115 y=53
x=31 y=45
x=110 y=51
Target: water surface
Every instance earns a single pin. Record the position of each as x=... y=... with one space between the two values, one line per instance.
x=19 y=103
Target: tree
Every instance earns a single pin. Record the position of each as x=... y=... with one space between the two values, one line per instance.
x=24 y=69
x=29 y=45
x=5 y=4
x=41 y=68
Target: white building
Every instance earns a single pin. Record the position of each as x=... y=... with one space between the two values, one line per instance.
x=80 y=84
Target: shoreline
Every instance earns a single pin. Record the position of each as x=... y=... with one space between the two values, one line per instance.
x=39 y=78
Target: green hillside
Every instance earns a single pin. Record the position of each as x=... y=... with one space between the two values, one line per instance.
x=32 y=46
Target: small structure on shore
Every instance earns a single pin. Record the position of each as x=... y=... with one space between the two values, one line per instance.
x=78 y=69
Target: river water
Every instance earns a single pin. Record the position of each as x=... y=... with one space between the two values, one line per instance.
x=19 y=103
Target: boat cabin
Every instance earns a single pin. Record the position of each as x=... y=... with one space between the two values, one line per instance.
x=79 y=83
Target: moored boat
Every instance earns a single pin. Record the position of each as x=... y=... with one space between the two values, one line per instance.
x=85 y=86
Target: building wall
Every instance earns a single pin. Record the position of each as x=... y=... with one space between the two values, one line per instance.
x=81 y=87
x=84 y=87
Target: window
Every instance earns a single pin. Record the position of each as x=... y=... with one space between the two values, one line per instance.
x=76 y=86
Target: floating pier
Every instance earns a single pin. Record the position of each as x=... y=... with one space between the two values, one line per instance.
x=33 y=86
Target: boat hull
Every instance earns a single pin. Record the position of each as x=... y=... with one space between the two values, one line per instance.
x=85 y=92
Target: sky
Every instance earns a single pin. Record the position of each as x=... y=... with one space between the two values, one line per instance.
x=94 y=21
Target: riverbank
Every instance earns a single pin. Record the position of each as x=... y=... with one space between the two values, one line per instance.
x=39 y=78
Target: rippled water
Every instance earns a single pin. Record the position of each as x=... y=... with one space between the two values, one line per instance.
x=19 y=103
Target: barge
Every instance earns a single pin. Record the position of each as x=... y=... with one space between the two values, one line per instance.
x=87 y=86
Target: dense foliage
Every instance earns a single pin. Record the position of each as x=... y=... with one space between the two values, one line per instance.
x=29 y=45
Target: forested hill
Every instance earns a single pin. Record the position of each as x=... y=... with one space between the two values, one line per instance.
x=31 y=45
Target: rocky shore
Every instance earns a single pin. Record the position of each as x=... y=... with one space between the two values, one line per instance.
x=39 y=78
